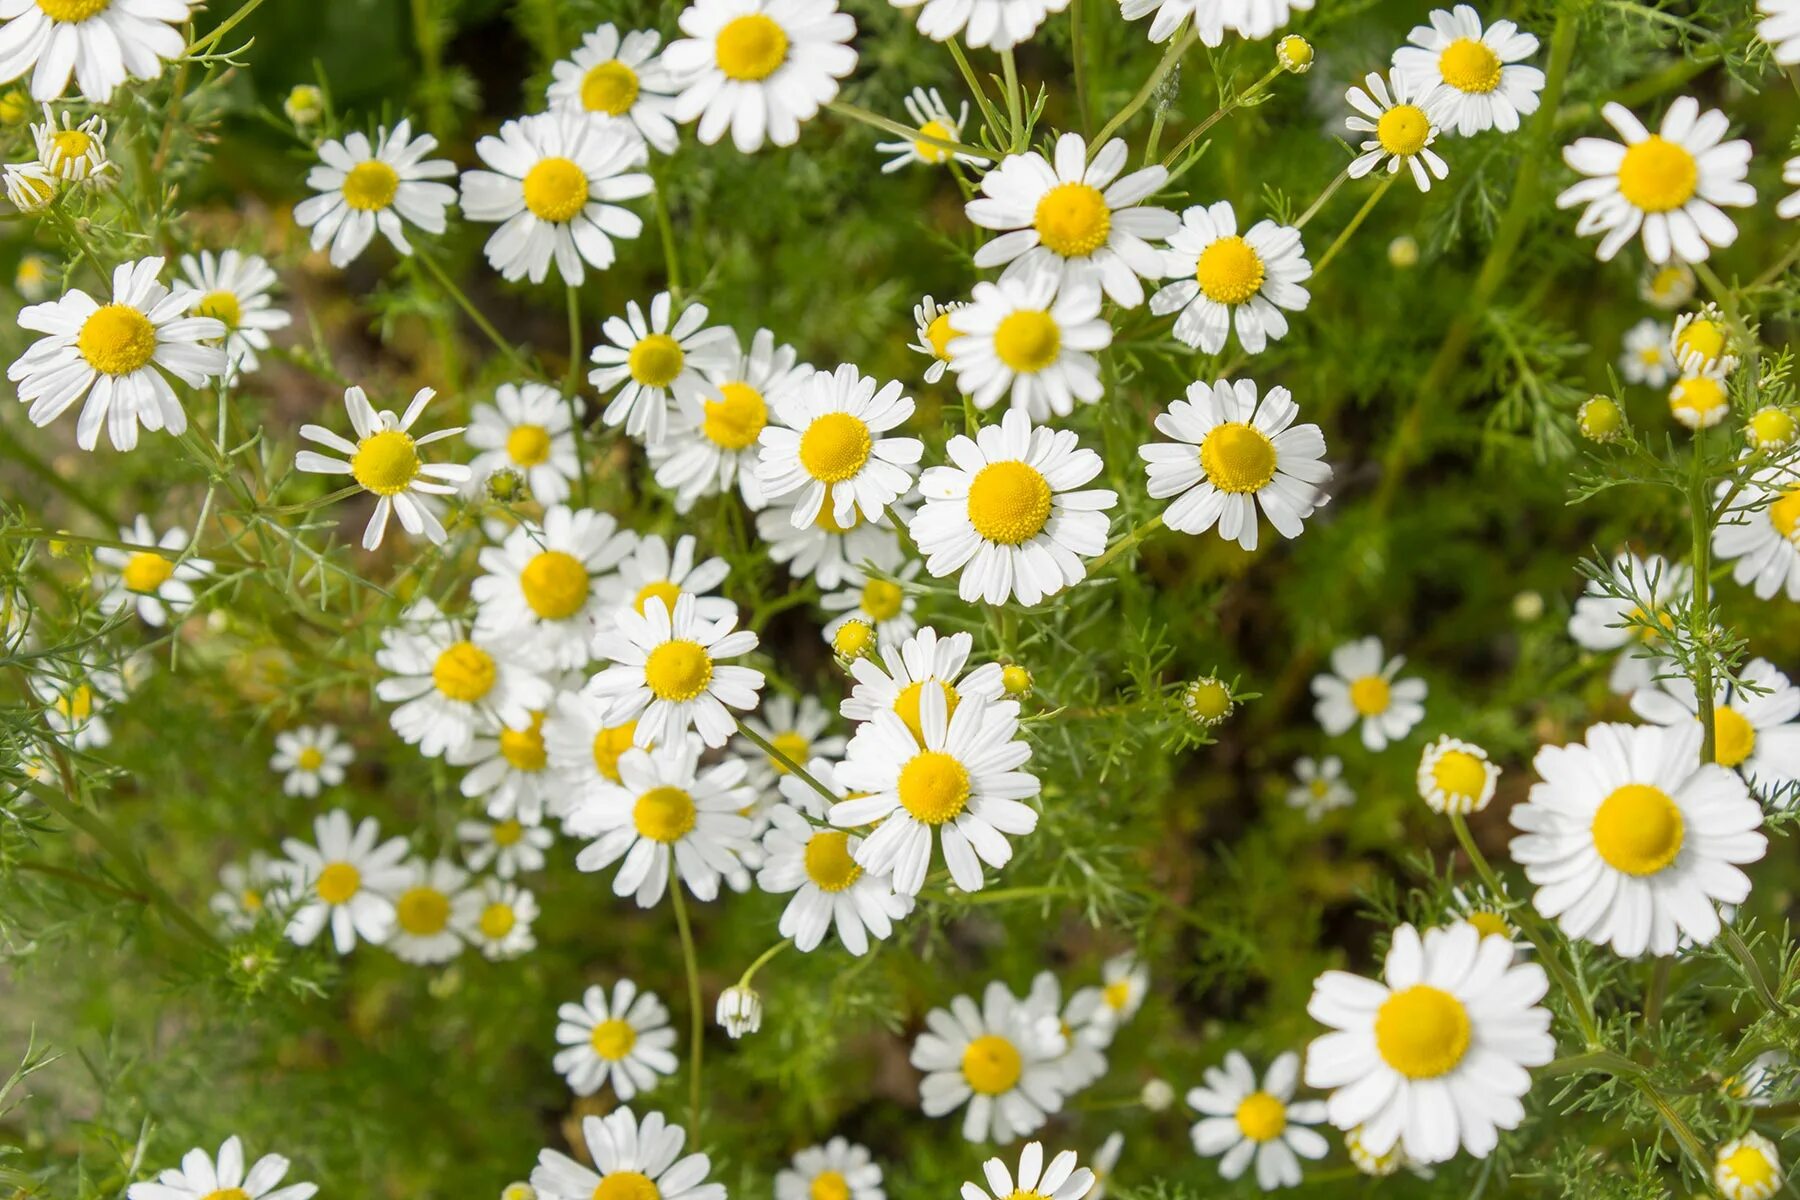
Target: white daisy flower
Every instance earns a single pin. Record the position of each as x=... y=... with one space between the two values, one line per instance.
x=1319 y=786
x=1644 y=594
x=837 y=1170
x=1748 y=1167
x=1758 y=531
x=897 y=682
x=1233 y=454
x=799 y=730
x=1669 y=184
x=1699 y=341
x=76 y=697
x=1032 y=341
x=1756 y=728
x=621 y=77
x=626 y=1039
x=384 y=460
x=668 y=674
x=663 y=809
x=116 y=356
x=1074 y=219
x=1699 y=401
x=510 y=846
x=1633 y=841
x=233 y=289
x=1083 y=1061
x=364 y=189
x=1431 y=1057
x=30 y=186
x=658 y=363
x=1361 y=687
x=553 y=185
x=247 y=890
x=495 y=917
x=655 y=571
x=34 y=276
x=1788 y=207
x=345 y=881
x=932 y=334
x=1456 y=776
x=825 y=445
x=829 y=553
x=998 y=1060
x=1780 y=28
x=423 y=900
x=1254 y=19
x=509 y=769
x=959 y=779
x=1668 y=286
x=74 y=152
x=584 y=748
x=884 y=605
x=1404 y=126
x=1646 y=358
x=101 y=44
x=310 y=758
x=1011 y=514
x=550 y=583
x=1061 y=1180
x=829 y=888
x=1767 y=1079
x=707 y=456
x=759 y=66
x=1124 y=982
x=931 y=116
x=1486 y=85
x=449 y=686
x=640 y=1159
x=989 y=24
x=1227 y=279
x=157 y=582
x=527 y=428
x=1105 y=1159
x=200 y=1175
x=1246 y=1121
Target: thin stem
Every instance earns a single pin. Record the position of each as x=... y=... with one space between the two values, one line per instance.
x=1180 y=46
x=1125 y=542
x=1230 y=106
x=793 y=767
x=1362 y=214
x=697 y=1024
x=1753 y=971
x=857 y=112
x=1312 y=210
x=1014 y=108
x=1700 y=531
x=224 y=27
x=762 y=960
x=988 y=115
x=486 y=326
x=666 y=230
x=1082 y=111
x=572 y=389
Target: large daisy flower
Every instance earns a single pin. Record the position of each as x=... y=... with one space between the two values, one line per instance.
x=988 y=24
x=668 y=673
x=1061 y=1180
x=201 y=1176
x=548 y=582
x=1227 y=279
x=384 y=460
x=641 y=1159
x=1485 y=85
x=157 y=581
x=233 y=289
x=826 y=445
x=707 y=456
x=829 y=888
x=997 y=1061
x=449 y=685
x=1031 y=340
x=1758 y=532
x=759 y=66
x=896 y=683
x=625 y=1038
x=364 y=188
x=1247 y=1121
x=344 y=880
x=1404 y=126
x=838 y=1170
x=1628 y=615
x=832 y=555
x=1361 y=688
x=526 y=428
x=658 y=363
x=1755 y=731
x=100 y=43
x=619 y=77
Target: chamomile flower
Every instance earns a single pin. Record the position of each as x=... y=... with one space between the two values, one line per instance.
x=116 y=356
x=883 y=604
x=510 y=846
x=1485 y=84
x=495 y=917
x=932 y=334
x=1361 y=688
x=1254 y=19
x=1758 y=532
x=832 y=554
x=1124 y=982
x=450 y=684
x=837 y=1170
x=310 y=758
x=1456 y=776
x=1788 y=207
x=1747 y=1168
x=1061 y=1180
x=1767 y=1079
x=957 y=782
x=201 y=1176
x=1083 y=1061
x=364 y=189
x=1627 y=614
x=550 y=583
x=997 y=1061
x=1233 y=454
x=1668 y=184
x=1431 y=1057
x=1699 y=401
x=1378 y=1166
x=34 y=276
x=659 y=361
x=384 y=461
x=1633 y=841
x=30 y=186
x=1404 y=126
x=1229 y=280
x=1755 y=726
x=76 y=697
x=827 y=445
x=1700 y=342
x=1646 y=358
x=246 y=890
x=1074 y=219
x=509 y=769
x=1246 y=1121
x=423 y=900
x=553 y=184
x=830 y=889
x=526 y=428
x=625 y=1039
x=656 y=571
x=898 y=681
x=668 y=672
x=233 y=289
x=1319 y=786
x=157 y=581
x=1011 y=515
x=74 y=152
x=621 y=77
x=991 y=24
x=1668 y=286
x=710 y=455
x=101 y=44
x=343 y=880
x=933 y=118
x=584 y=748
x=799 y=730
x=1780 y=28
x=760 y=67
x=1105 y=1159
x=1032 y=341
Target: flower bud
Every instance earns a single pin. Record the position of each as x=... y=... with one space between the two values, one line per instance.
x=1527 y=607
x=304 y=105
x=1015 y=679
x=1295 y=54
x=1157 y=1095
x=739 y=1011
x=1207 y=700
x=1770 y=428
x=506 y=486
x=1600 y=419
x=853 y=640
x=1403 y=252
x=518 y=1191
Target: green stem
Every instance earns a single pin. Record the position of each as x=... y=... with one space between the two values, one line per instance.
x=1014 y=108
x=666 y=230
x=572 y=389
x=1700 y=531
x=507 y=349
x=1123 y=543
x=988 y=116
x=1232 y=105
x=875 y=120
x=1362 y=214
x=1076 y=55
x=1753 y=971
x=697 y=1024
x=224 y=27
x=762 y=960
x=1312 y=210
x=793 y=767
x=1178 y=47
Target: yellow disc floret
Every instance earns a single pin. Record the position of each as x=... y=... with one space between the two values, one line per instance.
x=386 y=462
x=338 y=881
x=1638 y=829
x=1657 y=175
x=1370 y=695
x=116 y=339
x=992 y=1065
x=1470 y=66
x=464 y=672
x=1072 y=219
x=1403 y=130
x=678 y=670
x=556 y=189
x=613 y=1039
x=734 y=420
x=1734 y=737
x=656 y=361
x=664 y=814
x=1028 y=340
x=933 y=787
x=1237 y=457
x=610 y=87
x=828 y=861
x=555 y=584
x=1009 y=502
x=750 y=48
x=422 y=911
x=1261 y=1117
x=370 y=186
x=1229 y=271
x=1422 y=1032
x=834 y=447
x=528 y=445
x=145 y=572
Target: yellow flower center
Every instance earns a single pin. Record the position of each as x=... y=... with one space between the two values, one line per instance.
x=1637 y=829
x=338 y=882
x=222 y=306
x=509 y=832
x=1229 y=271
x=1369 y=695
x=1237 y=457
x=1701 y=395
x=1261 y=1117
x=497 y=920
x=610 y=87
x=933 y=787
x=1490 y=924
x=1700 y=337
x=678 y=670
x=523 y=750
x=1751 y=1167
x=310 y=758
x=1772 y=427
x=835 y=447
x=1459 y=774
x=664 y=814
x=1469 y=66
x=1208 y=699
x=625 y=1185
x=1072 y=219
x=1657 y=175
x=556 y=189
x=1784 y=513
x=1117 y=994
x=78 y=705
x=528 y=445
x=1028 y=341
x=385 y=462
x=1403 y=130
x=145 y=572
x=750 y=48
x=1734 y=738
x=656 y=361
x=992 y=1065
x=928 y=152
x=73 y=10
x=828 y=861
x=609 y=744
x=853 y=639
x=792 y=743
x=613 y=1039
x=881 y=600
x=422 y=911
x=734 y=420
x=938 y=335
x=370 y=186
x=555 y=584
x=464 y=672
x=1422 y=1032
x=828 y=1185
x=116 y=339
x=906 y=706
x=1009 y=502
x=232 y=1193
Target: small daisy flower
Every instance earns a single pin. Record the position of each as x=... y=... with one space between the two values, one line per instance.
x=1487 y=912
x=553 y=188
x=527 y=428
x=364 y=189
x=76 y=698
x=1319 y=786
x=1124 y=982
x=30 y=186
x=669 y=676
x=101 y=44
x=1431 y=1057
x=1254 y=19
x=495 y=917
x=758 y=66
x=1061 y=1180
x=800 y=731
x=665 y=809
x=1074 y=219
x=640 y=1159
x=1646 y=358
x=116 y=356
x=201 y=1176
x=1633 y=841
x=708 y=456
x=1788 y=207
x=550 y=583
x=1668 y=184
x=1758 y=532
x=826 y=444
x=1229 y=280
x=1699 y=401
x=658 y=362
x=1105 y=1159
x=449 y=686
x=931 y=116
x=1748 y=1168
x=247 y=890
x=1083 y=1059
x=830 y=889
x=423 y=901
x=896 y=684
x=1208 y=701
x=831 y=554
x=233 y=289
x=34 y=276
x=654 y=571
x=882 y=604
x=1250 y=1122
x=932 y=334
x=837 y=1170
x=584 y=748
x=384 y=461
x=1361 y=688
x=1756 y=728
x=74 y=152
x=509 y=770
x=1485 y=82
x=989 y=24
x=621 y=77
x=1233 y=454
x=996 y=1061
x=1011 y=515
x=310 y=758
x=1668 y=286
x=157 y=582
x=1031 y=341
x=1626 y=617
x=1404 y=126
x=1780 y=28
x=345 y=881
x=1699 y=342
x=510 y=846
x=1456 y=776
x=626 y=1039
x=1379 y=1166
